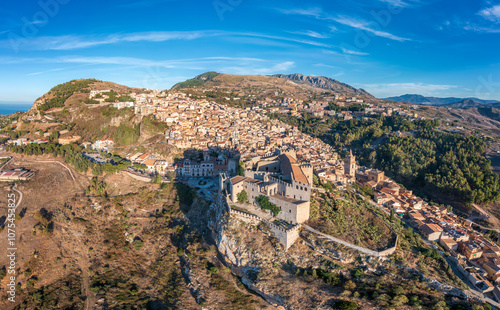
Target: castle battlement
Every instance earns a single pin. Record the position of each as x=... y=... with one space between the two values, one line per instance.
x=292 y=229
x=281 y=182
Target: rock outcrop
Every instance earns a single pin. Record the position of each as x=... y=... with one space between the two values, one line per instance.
x=325 y=83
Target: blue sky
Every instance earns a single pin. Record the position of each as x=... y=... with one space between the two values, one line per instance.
x=388 y=47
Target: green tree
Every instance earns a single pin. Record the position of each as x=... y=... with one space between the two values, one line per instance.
x=138 y=244
x=240 y=170
x=242 y=197
x=171 y=175
x=399 y=300
x=358 y=273
x=213 y=270
x=3 y=273
x=157 y=179
x=345 y=305
x=399 y=290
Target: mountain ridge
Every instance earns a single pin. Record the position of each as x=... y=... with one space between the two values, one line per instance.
x=324 y=83
x=212 y=78
x=438 y=101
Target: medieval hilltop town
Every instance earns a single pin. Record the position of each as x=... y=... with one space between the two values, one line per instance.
x=265 y=169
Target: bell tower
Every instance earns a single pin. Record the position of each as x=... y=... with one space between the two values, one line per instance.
x=350 y=165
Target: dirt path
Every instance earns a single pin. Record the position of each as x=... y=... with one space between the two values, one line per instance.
x=52 y=162
x=18 y=201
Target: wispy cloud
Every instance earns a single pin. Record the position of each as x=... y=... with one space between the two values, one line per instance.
x=173 y=63
x=393 y=89
x=483 y=29
x=483 y=24
x=359 y=24
x=351 y=52
x=326 y=66
x=397 y=3
x=239 y=65
x=72 y=42
x=492 y=13
x=314 y=12
x=47 y=71
x=259 y=35
x=312 y=34
x=282 y=67
x=364 y=25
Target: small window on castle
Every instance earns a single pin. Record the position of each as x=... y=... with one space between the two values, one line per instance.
x=290 y=211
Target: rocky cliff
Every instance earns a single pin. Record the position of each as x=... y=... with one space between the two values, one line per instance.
x=325 y=83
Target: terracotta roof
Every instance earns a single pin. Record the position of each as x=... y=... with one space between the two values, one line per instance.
x=430 y=229
x=149 y=162
x=237 y=179
x=289 y=165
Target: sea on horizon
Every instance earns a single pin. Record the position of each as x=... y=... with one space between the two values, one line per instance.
x=9 y=107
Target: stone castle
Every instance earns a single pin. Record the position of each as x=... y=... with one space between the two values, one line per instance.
x=286 y=183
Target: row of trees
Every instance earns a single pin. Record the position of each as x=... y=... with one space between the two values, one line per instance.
x=73 y=155
x=440 y=164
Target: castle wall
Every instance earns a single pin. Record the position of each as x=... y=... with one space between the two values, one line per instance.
x=246 y=217
x=253 y=191
x=234 y=190
x=286 y=237
x=296 y=190
x=308 y=172
x=269 y=166
x=291 y=212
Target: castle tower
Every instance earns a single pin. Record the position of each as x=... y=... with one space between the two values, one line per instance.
x=350 y=165
x=308 y=172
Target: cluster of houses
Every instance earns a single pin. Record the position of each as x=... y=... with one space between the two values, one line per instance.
x=153 y=165
x=210 y=163
x=476 y=257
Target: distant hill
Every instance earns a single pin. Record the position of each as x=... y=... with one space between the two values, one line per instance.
x=466 y=104
x=324 y=83
x=197 y=81
x=292 y=83
x=436 y=101
x=74 y=92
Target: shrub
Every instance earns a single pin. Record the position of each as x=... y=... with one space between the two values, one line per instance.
x=138 y=244
x=358 y=273
x=265 y=204
x=345 y=305
x=3 y=273
x=242 y=197
x=213 y=270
